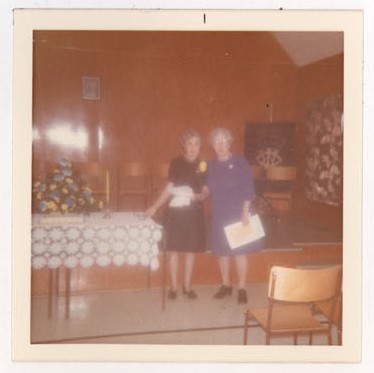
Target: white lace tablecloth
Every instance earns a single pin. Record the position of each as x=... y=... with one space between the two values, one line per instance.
x=72 y=240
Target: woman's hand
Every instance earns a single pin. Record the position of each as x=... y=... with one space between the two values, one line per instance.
x=200 y=196
x=245 y=217
x=150 y=212
x=196 y=197
x=164 y=196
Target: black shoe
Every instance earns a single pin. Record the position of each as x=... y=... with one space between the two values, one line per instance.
x=242 y=296
x=190 y=294
x=172 y=294
x=223 y=291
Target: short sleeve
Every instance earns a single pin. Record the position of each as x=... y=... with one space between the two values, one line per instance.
x=173 y=171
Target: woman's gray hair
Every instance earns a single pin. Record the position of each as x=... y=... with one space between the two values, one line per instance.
x=189 y=134
x=226 y=133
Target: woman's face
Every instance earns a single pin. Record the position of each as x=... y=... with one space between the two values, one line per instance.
x=221 y=146
x=192 y=149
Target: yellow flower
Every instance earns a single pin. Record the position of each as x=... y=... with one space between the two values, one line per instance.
x=52 y=186
x=202 y=166
x=64 y=207
x=65 y=190
x=39 y=195
x=51 y=206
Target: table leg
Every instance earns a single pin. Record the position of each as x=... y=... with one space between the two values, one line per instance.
x=50 y=292
x=149 y=279
x=164 y=277
x=67 y=292
x=53 y=290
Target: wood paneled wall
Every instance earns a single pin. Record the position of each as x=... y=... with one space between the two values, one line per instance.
x=153 y=86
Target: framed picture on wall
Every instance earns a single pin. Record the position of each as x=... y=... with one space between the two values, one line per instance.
x=90 y=88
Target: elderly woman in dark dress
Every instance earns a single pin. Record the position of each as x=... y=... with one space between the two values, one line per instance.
x=230 y=184
x=184 y=220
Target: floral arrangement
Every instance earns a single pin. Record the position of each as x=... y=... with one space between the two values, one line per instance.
x=60 y=193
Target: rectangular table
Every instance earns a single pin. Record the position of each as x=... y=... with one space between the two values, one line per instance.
x=121 y=238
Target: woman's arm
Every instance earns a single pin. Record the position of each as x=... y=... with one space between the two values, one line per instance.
x=245 y=212
x=202 y=195
x=164 y=196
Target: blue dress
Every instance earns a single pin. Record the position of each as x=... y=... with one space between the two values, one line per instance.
x=230 y=183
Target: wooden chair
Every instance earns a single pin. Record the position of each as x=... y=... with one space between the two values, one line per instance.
x=133 y=184
x=159 y=176
x=323 y=308
x=94 y=175
x=280 y=187
x=291 y=294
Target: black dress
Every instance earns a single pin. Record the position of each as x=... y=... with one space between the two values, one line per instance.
x=185 y=228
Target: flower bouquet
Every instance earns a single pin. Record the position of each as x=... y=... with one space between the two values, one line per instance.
x=60 y=193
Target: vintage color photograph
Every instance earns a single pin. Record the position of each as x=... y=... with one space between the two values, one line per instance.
x=187 y=187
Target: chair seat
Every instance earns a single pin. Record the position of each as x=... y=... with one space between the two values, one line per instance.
x=288 y=319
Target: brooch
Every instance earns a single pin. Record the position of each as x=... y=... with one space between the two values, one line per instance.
x=202 y=167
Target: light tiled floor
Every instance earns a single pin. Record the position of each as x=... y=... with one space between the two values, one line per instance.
x=136 y=317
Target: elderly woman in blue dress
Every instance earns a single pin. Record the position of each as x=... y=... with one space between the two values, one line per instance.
x=231 y=188
x=184 y=218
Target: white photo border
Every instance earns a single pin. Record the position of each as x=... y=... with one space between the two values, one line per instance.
x=28 y=20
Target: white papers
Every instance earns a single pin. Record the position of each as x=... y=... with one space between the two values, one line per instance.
x=181 y=196
x=238 y=234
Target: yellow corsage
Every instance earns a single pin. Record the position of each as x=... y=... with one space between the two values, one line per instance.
x=202 y=166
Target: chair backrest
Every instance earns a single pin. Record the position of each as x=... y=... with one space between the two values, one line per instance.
x=133 y=185
x=132 y=169
x=160 y=169
x=304 y=285
x=159 y=175
x=94 y=169
x=133 y=176
x=287 y=173
x=92 y=174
